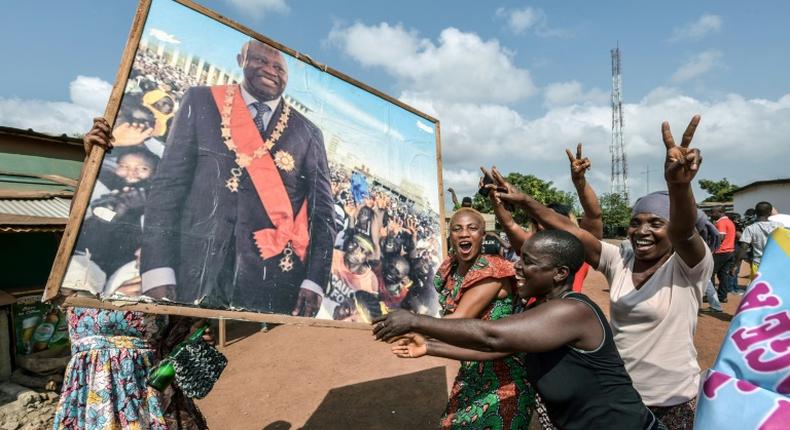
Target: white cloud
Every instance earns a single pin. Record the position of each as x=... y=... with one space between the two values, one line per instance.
x=480 y=128
x=259 y=8
x=697 y=66
x=459 y=66
x=474 y=135
x=727 y=126
x=705 y=25
x=659 y=94
x=91 y=93
x=163 y=36
x=571 y=92
x=461 y=179
x=88 y=99
x=520 y=20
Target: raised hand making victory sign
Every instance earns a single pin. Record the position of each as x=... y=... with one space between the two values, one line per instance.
x=682 y=162
x=579 y=165
x=592 y=220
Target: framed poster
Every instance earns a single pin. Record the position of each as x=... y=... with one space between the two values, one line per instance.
x=248 y=181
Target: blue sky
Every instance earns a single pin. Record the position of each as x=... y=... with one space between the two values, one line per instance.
x=513 y=83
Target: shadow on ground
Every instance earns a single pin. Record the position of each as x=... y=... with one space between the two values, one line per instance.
x=400 y=402
x=721 y=316
x=278 y=425
x=237 y=331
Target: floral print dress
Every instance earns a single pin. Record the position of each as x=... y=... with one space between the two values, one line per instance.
x=486 y=394
x=105 y=382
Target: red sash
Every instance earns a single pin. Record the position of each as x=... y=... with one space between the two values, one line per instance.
x=268 y=183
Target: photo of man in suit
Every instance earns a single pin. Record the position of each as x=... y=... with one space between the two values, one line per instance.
x=240 y=212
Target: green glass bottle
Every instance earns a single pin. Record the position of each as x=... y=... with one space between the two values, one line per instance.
x=161 y=376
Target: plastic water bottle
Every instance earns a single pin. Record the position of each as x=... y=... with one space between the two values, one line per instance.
x=161 y=376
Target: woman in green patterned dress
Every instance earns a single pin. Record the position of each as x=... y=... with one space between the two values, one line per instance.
x=486 y=394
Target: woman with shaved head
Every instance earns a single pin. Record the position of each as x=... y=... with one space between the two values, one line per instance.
x=475 y=285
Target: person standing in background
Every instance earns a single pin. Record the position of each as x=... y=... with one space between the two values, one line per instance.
x=724 y=255
x=755 y=236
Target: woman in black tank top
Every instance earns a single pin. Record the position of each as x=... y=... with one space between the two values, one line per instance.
x=565 y=341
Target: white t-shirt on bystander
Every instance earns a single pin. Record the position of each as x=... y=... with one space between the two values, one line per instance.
x=756 y=236
x=654 y=326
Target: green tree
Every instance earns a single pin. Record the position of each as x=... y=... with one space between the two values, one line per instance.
x=720 y=191
x=615 y=213
x=540 y=190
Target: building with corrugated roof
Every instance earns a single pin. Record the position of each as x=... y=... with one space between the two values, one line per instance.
x=38 y=177
x=773 y=191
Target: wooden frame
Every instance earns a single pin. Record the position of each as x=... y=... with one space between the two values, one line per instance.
x=93 y=162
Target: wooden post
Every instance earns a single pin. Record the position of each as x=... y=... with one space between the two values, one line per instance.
x=221 y=330
x=176 y=309
x=440 y=182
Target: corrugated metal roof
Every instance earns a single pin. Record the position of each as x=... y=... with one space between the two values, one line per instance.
x=39 y=135
x=763 y=182
x=31 y=229
x=46 y=208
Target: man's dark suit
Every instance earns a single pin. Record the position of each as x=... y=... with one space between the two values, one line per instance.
x=198 y=227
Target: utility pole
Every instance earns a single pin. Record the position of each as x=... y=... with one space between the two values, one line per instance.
x=646 y=172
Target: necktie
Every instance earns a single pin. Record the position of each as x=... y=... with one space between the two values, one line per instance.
x=261 y=109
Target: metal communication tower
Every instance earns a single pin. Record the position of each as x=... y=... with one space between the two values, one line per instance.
x=617 y=147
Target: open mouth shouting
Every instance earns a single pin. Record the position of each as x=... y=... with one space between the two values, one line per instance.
x=465 y=248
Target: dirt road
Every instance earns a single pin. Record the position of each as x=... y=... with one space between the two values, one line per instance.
x=316 y=378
